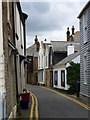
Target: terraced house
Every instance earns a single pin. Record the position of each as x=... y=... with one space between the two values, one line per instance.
x=32 y=66
x=84 y=17
x=12 y=55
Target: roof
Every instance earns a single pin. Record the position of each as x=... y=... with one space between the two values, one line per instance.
x=23 y=15
x=67 y=59
x=85 y=7
x=75 y=37
x=62 y=45
x=30 y=50
x=47 y=43
x=66 y=41
x=30 y=46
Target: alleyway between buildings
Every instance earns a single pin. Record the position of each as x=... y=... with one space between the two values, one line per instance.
x=52 y=105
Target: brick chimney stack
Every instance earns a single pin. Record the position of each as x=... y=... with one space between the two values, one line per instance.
x=68 y=34
x=73 y=30
x=37 y=43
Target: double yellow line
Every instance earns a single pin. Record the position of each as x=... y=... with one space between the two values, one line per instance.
x=34 y=107
x=76 y=101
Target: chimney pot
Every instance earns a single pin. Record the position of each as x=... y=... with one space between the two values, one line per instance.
x=73 y=30
x=68 y=34
x=36 y=39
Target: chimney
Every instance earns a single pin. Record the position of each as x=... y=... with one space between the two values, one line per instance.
x=68 y=34
x=36 y=39
x=70 y=50
x=37 y=43
x=73 y=30
x=45 y=39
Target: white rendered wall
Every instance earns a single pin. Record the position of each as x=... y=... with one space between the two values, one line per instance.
x=41 y=62
x=22 y=37
x=46 y=55
x=59 y=78
x=41 y=56
x=20 y=67
x=18 y=30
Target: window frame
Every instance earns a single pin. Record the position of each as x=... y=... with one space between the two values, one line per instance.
x=85 y=69
x=85 y=27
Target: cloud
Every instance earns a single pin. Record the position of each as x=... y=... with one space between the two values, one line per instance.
x=50 y=20
x=41 y=7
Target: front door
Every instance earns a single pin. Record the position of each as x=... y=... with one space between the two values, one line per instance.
x=51 y=79
x=55 y=77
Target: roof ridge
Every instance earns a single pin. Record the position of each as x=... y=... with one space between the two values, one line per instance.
x=65 y=41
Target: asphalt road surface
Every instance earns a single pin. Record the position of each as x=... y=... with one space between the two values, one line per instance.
x=52 y=105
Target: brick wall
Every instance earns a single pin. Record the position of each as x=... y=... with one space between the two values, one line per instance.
x=10 y=79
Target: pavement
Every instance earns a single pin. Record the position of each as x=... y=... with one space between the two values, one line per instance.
x=52 y=105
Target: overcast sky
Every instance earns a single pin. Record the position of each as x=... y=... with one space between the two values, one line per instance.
x=50 y=19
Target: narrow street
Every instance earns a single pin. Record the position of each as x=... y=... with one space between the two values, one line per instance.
x=52 y=105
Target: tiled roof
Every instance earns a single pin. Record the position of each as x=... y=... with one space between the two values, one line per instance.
x=62 y=46
x=30 y=46
x=66 y=41
x=30 y=50
x=67 y=59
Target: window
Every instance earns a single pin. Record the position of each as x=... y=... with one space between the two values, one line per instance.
x=55 y=77
x=85 y=27
x=39 y=62
x=42 y=61
x=46 y=61
x=50 y=59
x=85 y=69
x=63 y=78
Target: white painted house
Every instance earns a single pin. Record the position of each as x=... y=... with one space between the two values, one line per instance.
x=19 y=39
x=41 y=64
x=59 y=69
x=43 y=61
